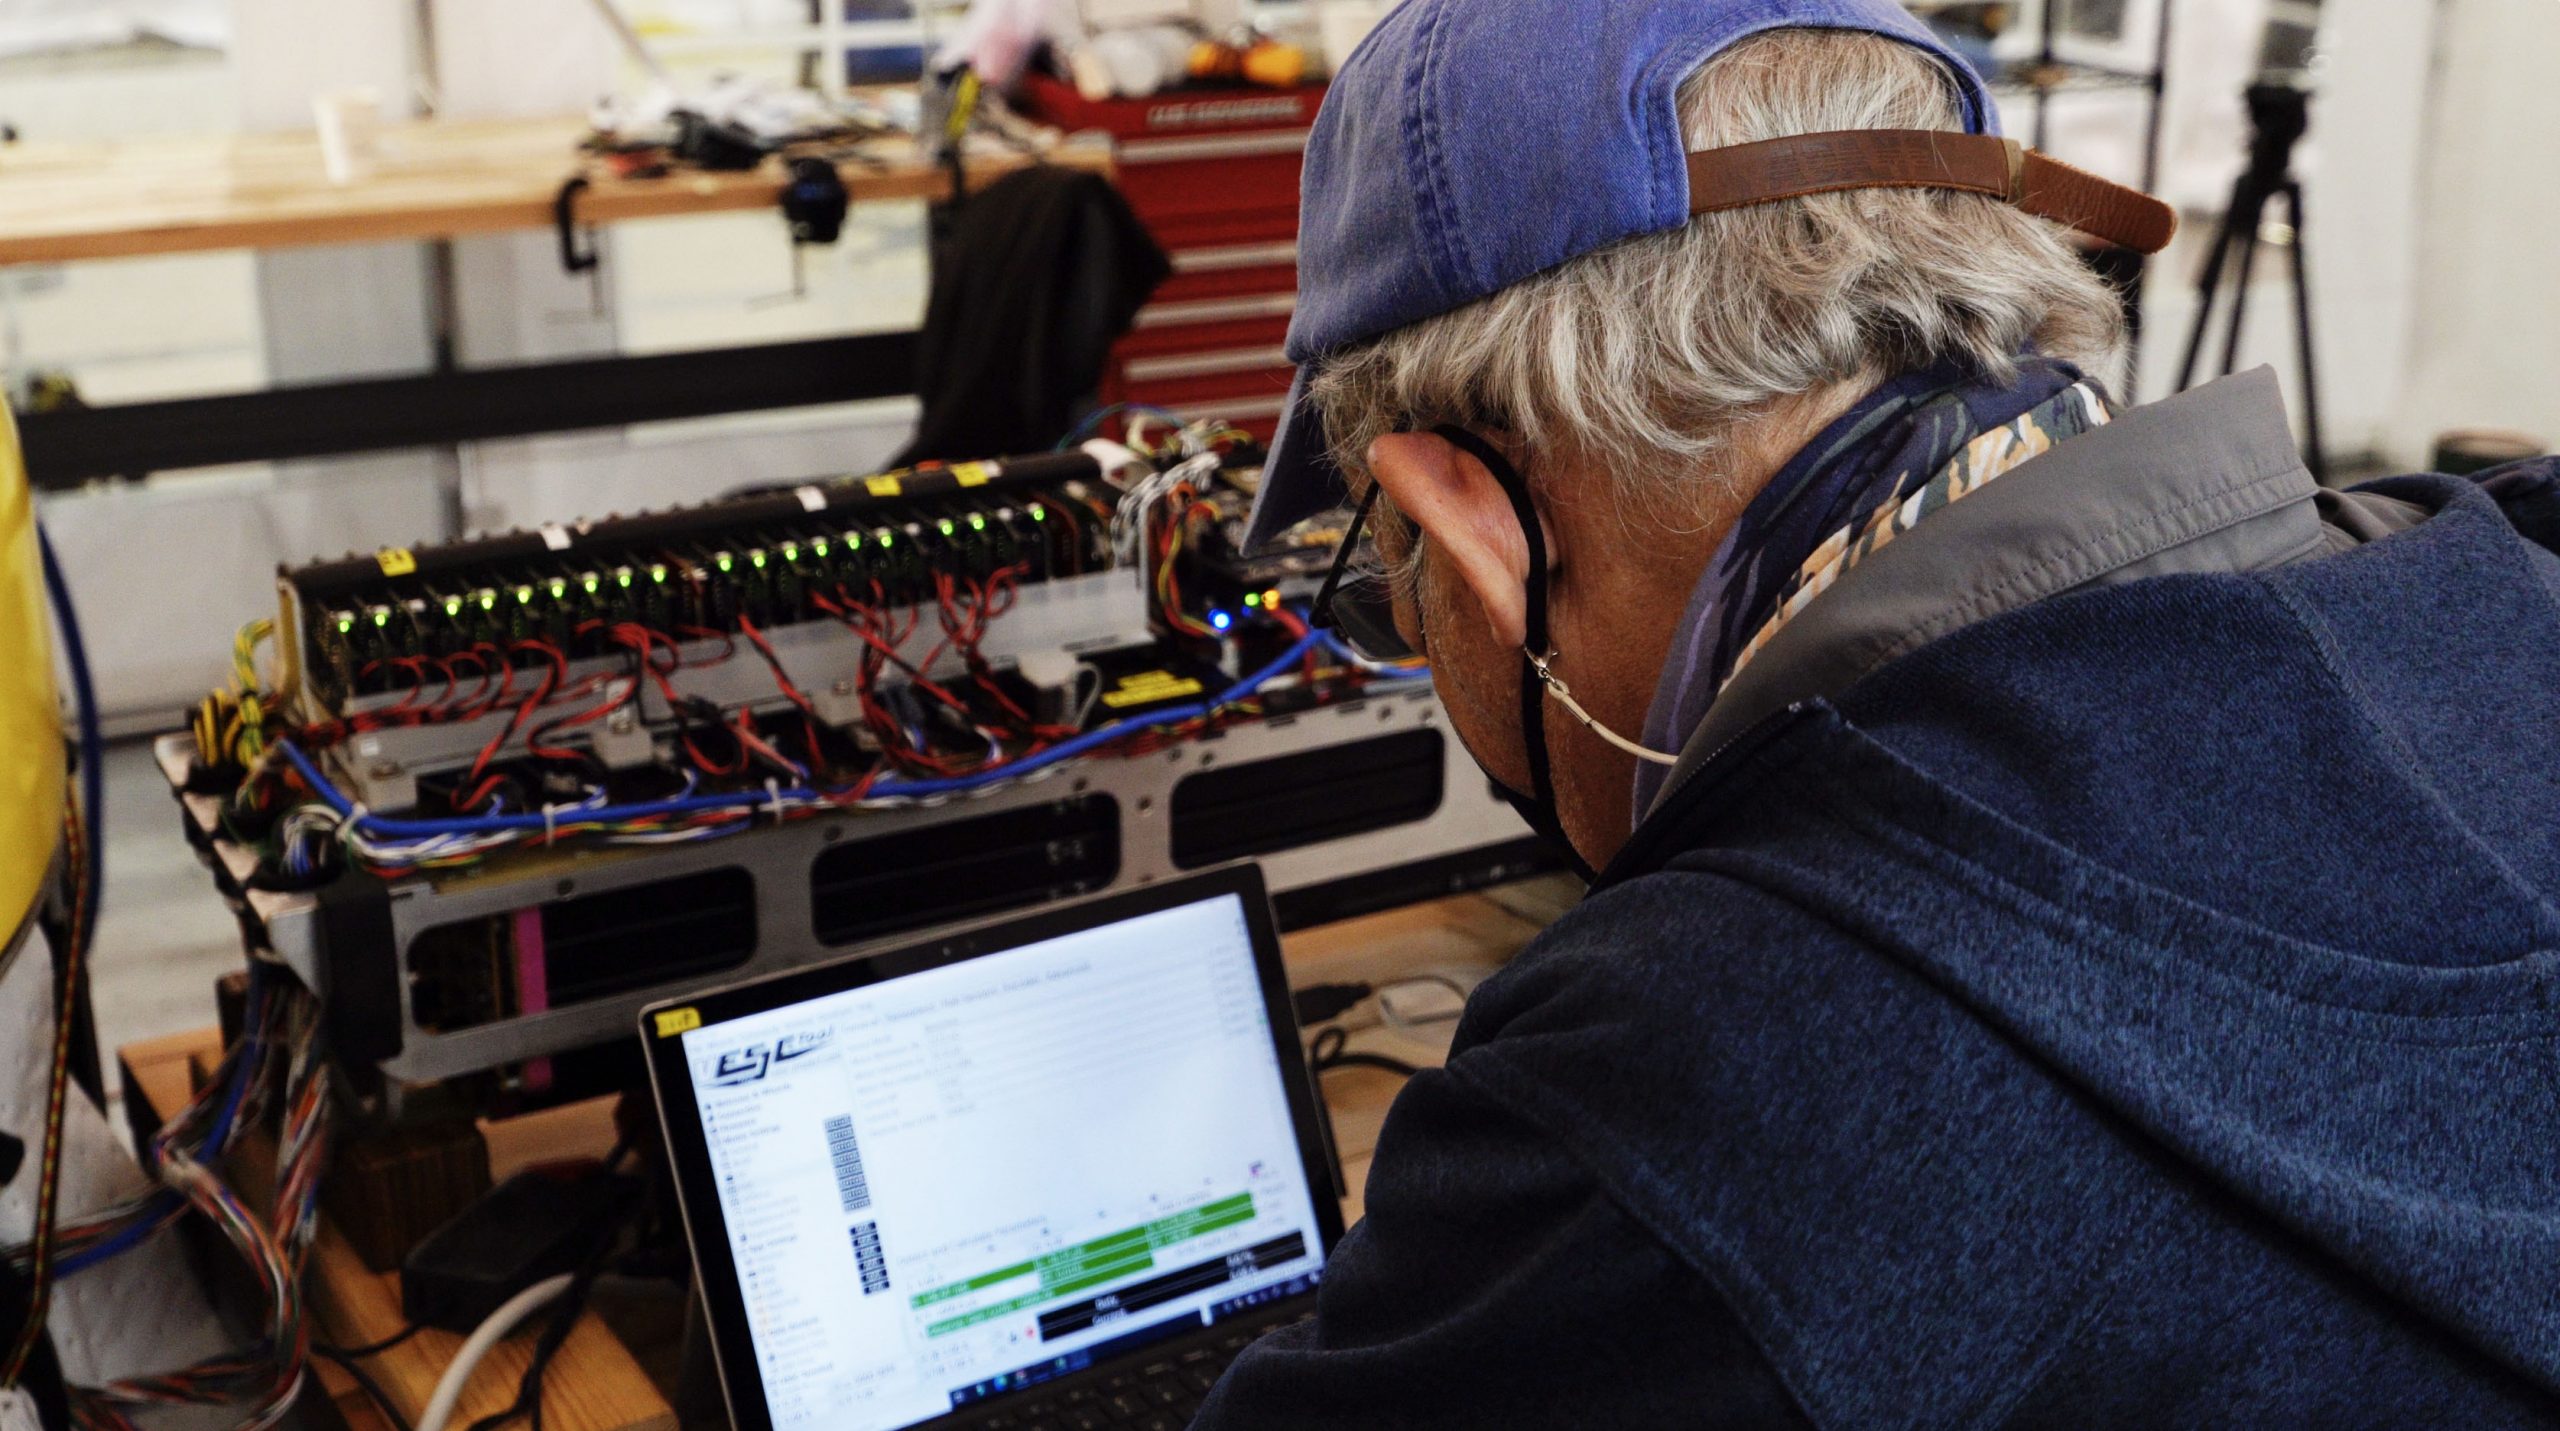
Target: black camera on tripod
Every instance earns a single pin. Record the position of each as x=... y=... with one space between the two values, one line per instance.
x=2279 y=103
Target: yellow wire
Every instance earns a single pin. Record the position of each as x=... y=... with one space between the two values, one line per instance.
x=248 y=735
x=964 y=105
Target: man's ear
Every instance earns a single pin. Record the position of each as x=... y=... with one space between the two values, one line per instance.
x=1463 y=511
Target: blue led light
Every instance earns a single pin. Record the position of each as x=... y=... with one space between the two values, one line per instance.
x=1221 y=620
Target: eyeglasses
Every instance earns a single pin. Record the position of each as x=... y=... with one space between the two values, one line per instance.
x=1360 y=609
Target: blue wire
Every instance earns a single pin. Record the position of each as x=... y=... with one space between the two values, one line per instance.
x=162 y=1205
x=390 y=829
x=93 y=744
x=750 y=800
x=1093 y=421
x=217 y=1139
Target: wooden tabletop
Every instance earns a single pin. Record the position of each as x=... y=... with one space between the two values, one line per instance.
x=434 y=179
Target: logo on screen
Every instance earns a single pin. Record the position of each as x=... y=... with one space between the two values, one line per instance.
x=755 y=1060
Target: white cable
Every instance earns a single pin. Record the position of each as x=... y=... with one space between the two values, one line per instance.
x=1564 y=697
x=489 y=1333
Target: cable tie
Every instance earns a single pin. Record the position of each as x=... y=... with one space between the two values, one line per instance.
x=550 y=823
x=773 y=790
x=356 y=814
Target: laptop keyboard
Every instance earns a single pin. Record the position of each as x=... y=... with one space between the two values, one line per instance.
x=1160 y=1393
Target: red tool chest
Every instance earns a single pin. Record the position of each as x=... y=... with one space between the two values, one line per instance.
x=1213 y=173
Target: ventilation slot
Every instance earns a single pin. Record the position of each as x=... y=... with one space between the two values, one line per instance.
x=574 y=950
x=920 y=878
x=1298 y=800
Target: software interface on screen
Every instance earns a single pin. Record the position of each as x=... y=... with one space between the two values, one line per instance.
x=979 y=1177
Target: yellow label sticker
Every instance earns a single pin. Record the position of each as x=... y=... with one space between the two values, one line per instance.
x=974 y=474
x=1148 y=687
x=397 y=561
x=884 y=486
x=675 y=1021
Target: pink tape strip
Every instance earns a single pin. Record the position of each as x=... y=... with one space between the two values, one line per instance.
x=533 y=985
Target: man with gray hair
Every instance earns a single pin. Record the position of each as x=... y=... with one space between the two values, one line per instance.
x=2068 y=941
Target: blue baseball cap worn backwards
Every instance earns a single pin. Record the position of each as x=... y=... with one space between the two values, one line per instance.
x=1470 y=144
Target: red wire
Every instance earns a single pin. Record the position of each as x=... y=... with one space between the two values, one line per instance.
x=552 y=676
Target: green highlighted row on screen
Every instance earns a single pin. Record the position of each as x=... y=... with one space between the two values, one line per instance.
x=1086 y=1265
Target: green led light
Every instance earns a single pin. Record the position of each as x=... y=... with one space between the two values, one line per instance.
x=977 y=523
x=346 y=624
x=853 y=541
x=524 y=596
x=453 y=606
x=382 y=616
x=488 y=600
x=756 y=558
x=559 y=588
x=790 y=551
x=1039 y=513
x=592 y=584
x=724 y=561
x=947 y=528
x=820 y=547
x=888 y=539
x=1253 y=601
x=623 y=577
x=658 y=571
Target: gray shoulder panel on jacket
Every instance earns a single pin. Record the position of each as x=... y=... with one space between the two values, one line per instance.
x=2208 y=481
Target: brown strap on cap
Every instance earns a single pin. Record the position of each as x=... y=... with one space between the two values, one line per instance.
x=1764 y=173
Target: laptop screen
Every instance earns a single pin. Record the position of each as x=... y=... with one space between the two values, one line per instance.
x=951 y=1184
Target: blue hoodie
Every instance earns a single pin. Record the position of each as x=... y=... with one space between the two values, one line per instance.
x=2136 y=1002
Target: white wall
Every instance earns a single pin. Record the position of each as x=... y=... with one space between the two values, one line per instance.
x=2484 y=341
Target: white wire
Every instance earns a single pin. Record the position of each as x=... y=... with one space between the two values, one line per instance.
x=1129 y=525
x=1564 y=697
x=489 y=1333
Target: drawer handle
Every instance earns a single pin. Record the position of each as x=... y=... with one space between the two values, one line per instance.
x=1217 y=310
x=1211 y=146
x=1201 y=365
x=1245 y=255
x=1232 y=409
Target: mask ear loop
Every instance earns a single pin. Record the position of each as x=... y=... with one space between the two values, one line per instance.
x=1539 y=652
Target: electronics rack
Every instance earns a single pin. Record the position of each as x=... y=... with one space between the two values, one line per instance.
x=1358 y=807
x=518 y=975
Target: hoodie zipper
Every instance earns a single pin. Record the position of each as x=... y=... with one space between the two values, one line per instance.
x=1635 y=858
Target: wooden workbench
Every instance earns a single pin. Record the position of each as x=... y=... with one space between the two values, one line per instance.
x=435 y=179
x=595 y=1383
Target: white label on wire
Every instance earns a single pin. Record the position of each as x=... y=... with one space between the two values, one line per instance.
x=18 y=1410
x=555 y=536
x=812 y=499
x=1116 y=461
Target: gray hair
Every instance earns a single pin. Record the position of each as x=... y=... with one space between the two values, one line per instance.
x=1651 y=359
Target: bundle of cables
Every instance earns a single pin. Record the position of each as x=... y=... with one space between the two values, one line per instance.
x=274 y=1068
x=229 y=726
x=923 y=740
x=387 y=844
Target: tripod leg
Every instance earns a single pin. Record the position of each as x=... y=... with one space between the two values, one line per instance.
x=2250 y=216
x=2316 y=455
x=2208 y=287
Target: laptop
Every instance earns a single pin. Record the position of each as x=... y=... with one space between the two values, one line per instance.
x=1049 y=1174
